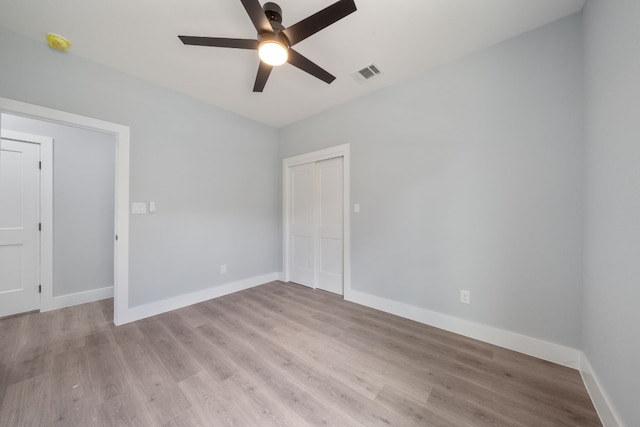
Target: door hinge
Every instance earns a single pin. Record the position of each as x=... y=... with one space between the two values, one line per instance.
x=39 y=289
x=39 y=226
x=116 y=237
x=40 y=165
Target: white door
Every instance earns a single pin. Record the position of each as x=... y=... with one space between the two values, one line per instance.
x=301 y=225
x=329 y=225
x=315 y=228
x=19 y=222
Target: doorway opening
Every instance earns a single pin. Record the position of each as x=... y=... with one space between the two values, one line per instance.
x=121 y=218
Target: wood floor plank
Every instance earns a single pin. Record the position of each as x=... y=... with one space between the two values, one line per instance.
x=24 y=369
x=431 y=337
x=279 y=354
x=341 y=397
x=12 y=336
x=36 y=336
x=496 y=379
x=106 y=376
x=126 y=333
x=349 y=370
x=192 y=316
x=416 y=413
x=5 y=371
x=18 y=408
x=208 y=356
x=521 y=411
x=467 y=412
x=375 y=365
x=188 y=418
x=343 y=366
x=558 y=397
x=73 y=395
x=176 y=359
x=213 y=403
x=155 y=384
x=539 y=367
x=302 y=315
x=124 y=410
x=298 y=397
x=274 y=411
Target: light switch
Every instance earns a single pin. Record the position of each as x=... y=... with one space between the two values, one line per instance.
x=356 y=208
x=152 y=207
x=138 y=208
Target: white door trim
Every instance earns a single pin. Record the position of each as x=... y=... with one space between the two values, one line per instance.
x=316 y=156
x=46 y=211
x=122 y=134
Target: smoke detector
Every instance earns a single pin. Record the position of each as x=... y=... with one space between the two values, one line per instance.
x=58 y=42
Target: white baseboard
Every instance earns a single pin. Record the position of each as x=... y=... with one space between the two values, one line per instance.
x=163 y=306
x=603 y=406
x=63 y=301
x=541 y=349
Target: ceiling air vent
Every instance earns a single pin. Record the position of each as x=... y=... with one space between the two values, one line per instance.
x=366 y=73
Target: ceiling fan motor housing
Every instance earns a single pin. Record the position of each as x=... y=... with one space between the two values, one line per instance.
x=274 y=15
x=273 y=12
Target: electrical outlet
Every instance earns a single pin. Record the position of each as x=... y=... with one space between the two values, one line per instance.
x=465 y=297
x=223 y=269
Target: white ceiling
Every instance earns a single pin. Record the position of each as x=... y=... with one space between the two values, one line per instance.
x=402 y=37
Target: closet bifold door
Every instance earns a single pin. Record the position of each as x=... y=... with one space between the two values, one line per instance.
x=329 y=227
x=302 y=224
x=315 y=224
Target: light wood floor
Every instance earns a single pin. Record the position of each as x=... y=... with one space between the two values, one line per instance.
x=275 y=355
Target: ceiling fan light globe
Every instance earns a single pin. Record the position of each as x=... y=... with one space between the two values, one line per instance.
x=273 y=53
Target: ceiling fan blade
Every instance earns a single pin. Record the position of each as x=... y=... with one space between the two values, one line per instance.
x=316 y=22
x=219 y=42
x=304 y=64
x=259 y=19
x=261 y=78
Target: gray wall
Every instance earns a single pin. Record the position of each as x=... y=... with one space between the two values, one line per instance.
x=612 y=239
x=83 y=203
x=213 y=174
x=470 y=177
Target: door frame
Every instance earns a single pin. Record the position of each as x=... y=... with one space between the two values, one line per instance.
x=121 y=214
x=45 y=263
x=312 y=157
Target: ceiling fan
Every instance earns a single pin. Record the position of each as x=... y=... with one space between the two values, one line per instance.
x=274 y=41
